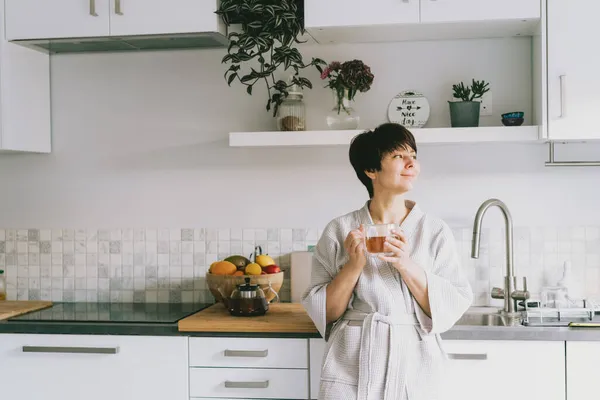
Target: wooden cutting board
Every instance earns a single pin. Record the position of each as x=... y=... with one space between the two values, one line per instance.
x=9 y=309
x=281 y=317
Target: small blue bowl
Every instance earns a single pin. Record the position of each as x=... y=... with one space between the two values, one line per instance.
x=514 y=114
x=512 y=121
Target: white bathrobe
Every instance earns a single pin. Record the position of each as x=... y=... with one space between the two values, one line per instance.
x=385 y=347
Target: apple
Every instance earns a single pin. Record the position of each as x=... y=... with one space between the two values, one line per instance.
x=271 y=269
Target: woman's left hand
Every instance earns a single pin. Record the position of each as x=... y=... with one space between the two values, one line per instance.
x=398 y=245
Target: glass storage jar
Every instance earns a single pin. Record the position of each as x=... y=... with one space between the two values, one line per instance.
x=291 y=115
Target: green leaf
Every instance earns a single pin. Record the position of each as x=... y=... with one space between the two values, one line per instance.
x=249 y=90
x=227 y=58
x=304 y=82
x=231 y=79
x=255 y=25
x=246 y=78
x=232 y=44
x=270 y=10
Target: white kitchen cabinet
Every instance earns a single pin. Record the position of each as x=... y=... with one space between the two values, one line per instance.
x=317 y=351
x=573 y=65
x=348 y=13
x=490 y=370
x=240 y=368
x=476 y=368
x=43 y=19
x=72 y=367
x=141 y=17
x=25 y=121
x=359 y=21
x=478 y=10
x=582 y=370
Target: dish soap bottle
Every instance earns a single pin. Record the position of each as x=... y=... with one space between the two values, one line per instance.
x=2 y=285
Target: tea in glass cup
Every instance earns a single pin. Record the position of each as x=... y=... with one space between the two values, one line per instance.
x=375 y=236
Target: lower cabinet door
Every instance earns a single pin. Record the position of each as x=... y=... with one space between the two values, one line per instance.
x=317 y=351
x=95 y=367
x=500 y=370
x=582 y=369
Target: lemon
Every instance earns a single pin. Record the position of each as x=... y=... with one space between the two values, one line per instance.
x=264 y=260
x=253 y=269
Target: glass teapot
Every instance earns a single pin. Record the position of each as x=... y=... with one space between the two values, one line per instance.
x=247 y=300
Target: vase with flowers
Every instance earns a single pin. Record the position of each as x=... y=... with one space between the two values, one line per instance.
x=346 y=80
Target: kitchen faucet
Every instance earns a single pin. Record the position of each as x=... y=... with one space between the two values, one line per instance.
x=510 y=294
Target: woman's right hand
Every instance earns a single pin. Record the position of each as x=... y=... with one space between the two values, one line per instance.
x=355 y=246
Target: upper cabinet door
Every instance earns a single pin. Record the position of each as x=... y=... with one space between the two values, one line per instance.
x=573 y=65
x=478 y=10
x=145 y=17
x=339 y=13
x=43 y=19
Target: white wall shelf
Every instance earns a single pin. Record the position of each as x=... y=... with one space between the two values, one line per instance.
x=423 y=136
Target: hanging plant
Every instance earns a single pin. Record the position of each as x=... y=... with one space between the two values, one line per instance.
x=269 y=31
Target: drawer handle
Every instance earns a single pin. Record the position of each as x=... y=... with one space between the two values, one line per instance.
x=72 y=350
x=463 y=356
x=563 y=98
x=93 y=12
x=247 y=385
x=246 y=353
x=118 y=7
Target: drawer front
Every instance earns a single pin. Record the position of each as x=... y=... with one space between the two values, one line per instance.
x=251 y=352
x=239 y=383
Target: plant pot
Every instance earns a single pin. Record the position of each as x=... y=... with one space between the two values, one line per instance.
x=342 y=116
x=464 y=114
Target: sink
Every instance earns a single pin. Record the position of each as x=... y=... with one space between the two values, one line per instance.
x=487 y=316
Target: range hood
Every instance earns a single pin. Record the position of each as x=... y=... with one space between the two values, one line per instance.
x=176 y=41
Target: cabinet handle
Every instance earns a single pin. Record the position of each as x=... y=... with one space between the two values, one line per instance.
x=72 y=350
x=563 y=99
x=464 y=356
x=93 y=8
x=118 y=7
x=246 y=385
x=246 y=353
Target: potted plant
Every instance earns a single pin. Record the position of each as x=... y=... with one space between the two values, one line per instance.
x=346 y=80
x=265 y=44
x=465 y=113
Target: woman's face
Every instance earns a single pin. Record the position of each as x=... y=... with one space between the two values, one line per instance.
x=399 y=170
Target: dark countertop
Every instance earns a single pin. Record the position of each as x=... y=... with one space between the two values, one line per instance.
x=169 y=328
x=124 y=328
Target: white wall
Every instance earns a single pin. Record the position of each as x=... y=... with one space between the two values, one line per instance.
x=140 y=140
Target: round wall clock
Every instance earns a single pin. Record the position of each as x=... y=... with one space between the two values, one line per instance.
x=409 y=108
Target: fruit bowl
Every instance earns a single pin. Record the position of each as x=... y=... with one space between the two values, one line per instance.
x=221 y=286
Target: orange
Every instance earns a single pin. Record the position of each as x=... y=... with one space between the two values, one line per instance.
x=222 y=268
x=238 y=273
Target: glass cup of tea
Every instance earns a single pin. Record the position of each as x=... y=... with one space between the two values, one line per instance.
x=375 y=235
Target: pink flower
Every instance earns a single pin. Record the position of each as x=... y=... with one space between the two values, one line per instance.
x=325 y=73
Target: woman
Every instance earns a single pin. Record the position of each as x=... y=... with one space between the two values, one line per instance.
x=382 y=315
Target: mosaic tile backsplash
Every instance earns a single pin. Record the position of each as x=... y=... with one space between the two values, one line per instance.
x=170 y=265
x=132 y=265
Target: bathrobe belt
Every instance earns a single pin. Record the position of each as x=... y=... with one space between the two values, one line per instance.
x=397 y=353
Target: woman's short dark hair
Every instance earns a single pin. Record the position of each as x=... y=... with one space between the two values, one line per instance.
x=368 y=149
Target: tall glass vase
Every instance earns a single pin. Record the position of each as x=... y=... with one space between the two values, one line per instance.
x=342 y=116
